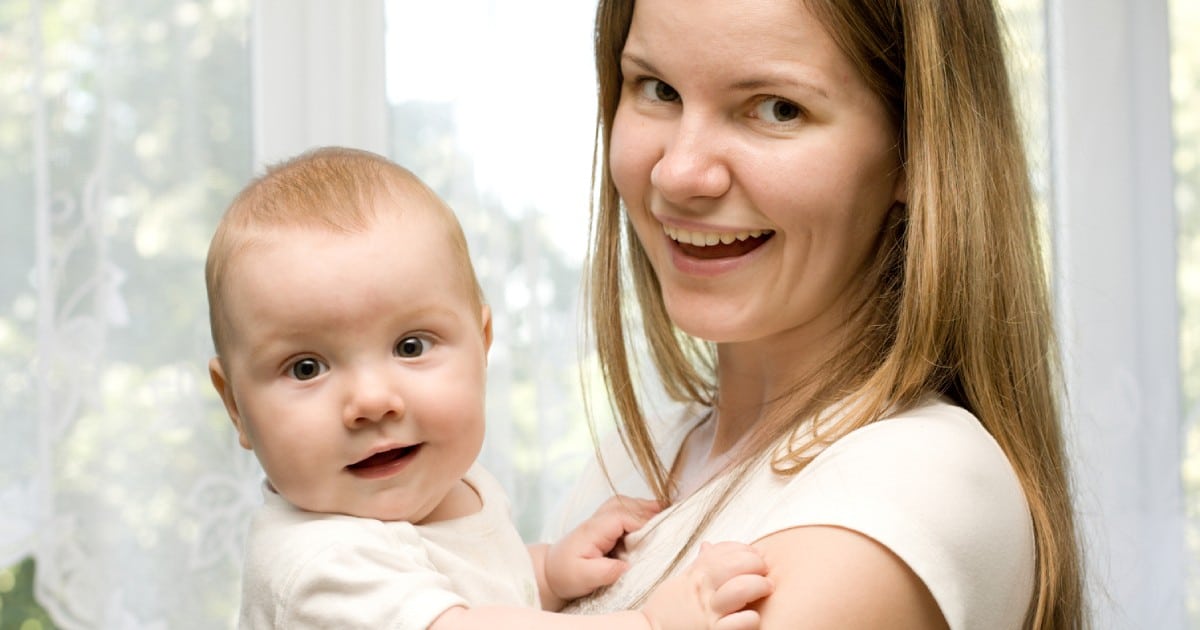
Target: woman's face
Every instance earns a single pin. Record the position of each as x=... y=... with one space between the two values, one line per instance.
x=755 y=164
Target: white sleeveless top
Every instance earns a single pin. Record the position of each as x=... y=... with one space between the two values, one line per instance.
x=929 y=484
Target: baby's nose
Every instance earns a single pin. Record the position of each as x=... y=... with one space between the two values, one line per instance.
x=373 y=397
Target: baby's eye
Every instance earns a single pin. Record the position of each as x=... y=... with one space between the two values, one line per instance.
x=307 y=369
x=777 y=110
x=656 y=90
x=411 y=347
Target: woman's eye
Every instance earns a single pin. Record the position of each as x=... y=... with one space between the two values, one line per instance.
x=777 y=110
x=656 y=90
x=306 y=369
x=410 y=347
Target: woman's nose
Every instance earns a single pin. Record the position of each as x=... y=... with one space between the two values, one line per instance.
x=693 y=163
x=373 y=396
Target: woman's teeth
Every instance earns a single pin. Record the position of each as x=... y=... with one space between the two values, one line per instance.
x=706 y=239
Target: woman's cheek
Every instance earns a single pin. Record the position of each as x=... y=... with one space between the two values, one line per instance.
x=629 y=158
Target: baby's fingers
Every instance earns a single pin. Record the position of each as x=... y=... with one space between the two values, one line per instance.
x=744 y=620
x=598 y=572
x=739 y=592
x=617 y=517
x=723 y=561
x=635 y=512
x=638 y=510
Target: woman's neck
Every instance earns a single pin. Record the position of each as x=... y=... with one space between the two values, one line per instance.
x=754 y=378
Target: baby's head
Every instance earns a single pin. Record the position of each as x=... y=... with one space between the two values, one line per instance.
x=351 y=335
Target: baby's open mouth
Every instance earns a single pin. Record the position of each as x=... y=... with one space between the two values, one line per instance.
x=385 y=458
x=711 y=246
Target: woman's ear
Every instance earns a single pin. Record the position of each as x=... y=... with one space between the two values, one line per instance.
x=216 y=373
x=901 y=189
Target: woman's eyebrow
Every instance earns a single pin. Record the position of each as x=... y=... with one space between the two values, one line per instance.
x=752 y=83
x=641 y=63
x=774 y=80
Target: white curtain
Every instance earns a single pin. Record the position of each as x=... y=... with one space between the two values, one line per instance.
x=1116 y=243
x=127 y=125
x=124 y=126
x=492 y=102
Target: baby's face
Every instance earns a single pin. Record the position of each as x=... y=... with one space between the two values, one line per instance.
x=356 y=365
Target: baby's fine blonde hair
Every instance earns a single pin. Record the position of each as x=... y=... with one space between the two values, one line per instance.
x=333 y=189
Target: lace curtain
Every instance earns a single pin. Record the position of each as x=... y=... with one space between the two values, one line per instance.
x=126 y=126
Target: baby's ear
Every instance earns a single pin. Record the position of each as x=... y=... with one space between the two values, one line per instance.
x=486 y=318
x=216 y=373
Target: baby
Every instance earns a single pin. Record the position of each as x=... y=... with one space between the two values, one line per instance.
x=351 y=338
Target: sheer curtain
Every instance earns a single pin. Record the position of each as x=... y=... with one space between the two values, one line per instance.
x=127 y=125
x=1185 y=91
x=1115 y=270
x=495 y=109
x=124 y=128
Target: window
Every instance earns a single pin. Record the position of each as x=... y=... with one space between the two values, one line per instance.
x=124 y=131
x=496 y=112
x=1185 y=91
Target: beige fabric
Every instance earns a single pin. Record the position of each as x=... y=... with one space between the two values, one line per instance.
x=306 y=570
x=930 y=484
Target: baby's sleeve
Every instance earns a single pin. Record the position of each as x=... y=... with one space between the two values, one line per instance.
x=370 y=578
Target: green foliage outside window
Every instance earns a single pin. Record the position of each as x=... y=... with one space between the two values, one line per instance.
x=18 y=610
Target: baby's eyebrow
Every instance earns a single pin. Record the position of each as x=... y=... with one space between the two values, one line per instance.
x=271 y=343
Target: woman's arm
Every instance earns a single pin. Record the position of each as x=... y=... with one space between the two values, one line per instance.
x=918 y=521
x=836 y=578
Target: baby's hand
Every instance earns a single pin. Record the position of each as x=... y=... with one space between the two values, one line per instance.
x=579 y=563
x=713 y=592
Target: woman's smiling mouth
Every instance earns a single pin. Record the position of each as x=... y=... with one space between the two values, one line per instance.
x=714 y=245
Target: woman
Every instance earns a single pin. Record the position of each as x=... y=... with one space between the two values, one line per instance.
x=824 y=212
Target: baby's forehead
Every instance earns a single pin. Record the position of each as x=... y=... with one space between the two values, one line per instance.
x=408 y=236
x=389 y=208
x=392 y=261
